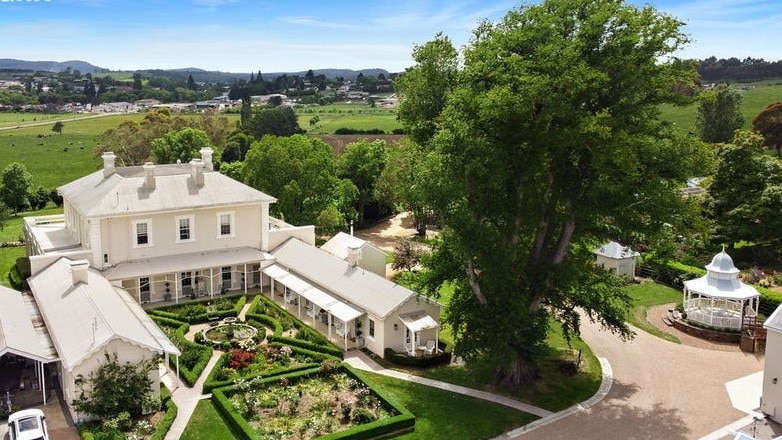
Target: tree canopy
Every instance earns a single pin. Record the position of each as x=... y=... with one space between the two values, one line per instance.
x=719 y=114
x=302 y=173
x=746 y=192
x=549 y=143
x=363 y=162
x=15 y=186
x=277 y=121
x=181 y=145
x=769 y=124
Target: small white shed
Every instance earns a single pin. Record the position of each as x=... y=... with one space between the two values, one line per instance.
x=618 y=258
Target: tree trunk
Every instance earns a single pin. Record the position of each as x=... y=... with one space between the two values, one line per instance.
x=522 y=371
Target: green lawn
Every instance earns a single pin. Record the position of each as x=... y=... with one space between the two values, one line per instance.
x=206 y=424
x=441 y=414
x=647 y=295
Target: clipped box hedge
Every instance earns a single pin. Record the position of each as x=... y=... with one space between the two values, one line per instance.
x=189 y=376
x=399 y=424
x=170 y=311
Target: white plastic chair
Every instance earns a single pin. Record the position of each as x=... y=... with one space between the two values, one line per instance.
x=429 y=347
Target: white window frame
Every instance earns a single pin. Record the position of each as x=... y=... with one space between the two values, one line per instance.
x=231 y=224
x=191 y=220
x=134 y=233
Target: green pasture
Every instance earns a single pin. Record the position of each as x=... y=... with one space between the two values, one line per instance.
x=357 y=116
x=13 y=119
x=755 y=97
x=55 y=159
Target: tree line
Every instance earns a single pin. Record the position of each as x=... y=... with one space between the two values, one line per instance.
x=733 y=69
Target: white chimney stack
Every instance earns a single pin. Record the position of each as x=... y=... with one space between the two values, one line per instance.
x=79 y=271
x=354 y=256
x=108 y=163
x=149 y=175
x=206 y=157
x=197 y=172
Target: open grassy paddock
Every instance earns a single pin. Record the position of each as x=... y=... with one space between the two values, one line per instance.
x=755 y=97
x=358 y=116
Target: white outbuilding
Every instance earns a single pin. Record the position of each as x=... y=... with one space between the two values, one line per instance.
x=617 y=258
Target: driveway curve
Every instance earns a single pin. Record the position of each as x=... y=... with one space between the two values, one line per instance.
x=661 y=390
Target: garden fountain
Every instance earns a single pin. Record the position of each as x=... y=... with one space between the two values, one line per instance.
x=230 y=331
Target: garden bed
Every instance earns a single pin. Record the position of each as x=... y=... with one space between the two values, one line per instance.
x=329 y=402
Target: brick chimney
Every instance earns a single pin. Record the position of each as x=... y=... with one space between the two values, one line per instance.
x=149 y=175
x=108 y=163
x=197 y=172
x=79 y=271
x=206 y=157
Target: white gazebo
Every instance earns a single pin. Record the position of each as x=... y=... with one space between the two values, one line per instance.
x=719 y=299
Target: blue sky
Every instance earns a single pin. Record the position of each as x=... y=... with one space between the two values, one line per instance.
x=280 y=35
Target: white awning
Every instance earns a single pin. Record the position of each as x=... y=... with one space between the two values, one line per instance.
x=344 y=312
x=325 y=301
x=417 y=321
x=318 y=297
x=275 y=272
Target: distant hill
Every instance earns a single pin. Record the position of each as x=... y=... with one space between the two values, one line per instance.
x=199 y=75
x=49 y=66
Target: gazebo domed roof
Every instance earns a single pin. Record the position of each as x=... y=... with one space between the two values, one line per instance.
x=722 y=264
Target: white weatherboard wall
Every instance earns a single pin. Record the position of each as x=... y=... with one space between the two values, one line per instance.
x=772 y=377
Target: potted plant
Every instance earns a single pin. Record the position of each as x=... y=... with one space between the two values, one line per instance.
x=167 y=296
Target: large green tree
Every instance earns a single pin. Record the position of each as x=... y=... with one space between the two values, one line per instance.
x=278 y=121
x=182 y=145
x=746 y=192
x=302 y=173
x=719 y=114
x=363 y=162
x=15 y=186
x=548 y=144
x=403 y=182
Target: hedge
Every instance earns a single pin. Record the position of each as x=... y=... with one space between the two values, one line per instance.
x=329 y=349
x=404 y=422
x=166 y=311
x=204 y=353
x=168 y=419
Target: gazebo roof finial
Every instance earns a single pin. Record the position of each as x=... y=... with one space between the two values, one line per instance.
x=722 y=264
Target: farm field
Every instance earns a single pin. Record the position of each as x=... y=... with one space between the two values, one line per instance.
x=755 y=97
x=359 y=116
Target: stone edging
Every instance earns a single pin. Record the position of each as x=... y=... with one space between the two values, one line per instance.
x=602 y=392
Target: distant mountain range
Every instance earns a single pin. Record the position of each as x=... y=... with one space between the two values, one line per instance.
x=199 y=75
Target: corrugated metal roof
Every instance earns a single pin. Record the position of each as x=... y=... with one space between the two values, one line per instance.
x=340 y=244
x=368 y=291
x=124 y=193
x=22 y=330
x=84 y=317
x=616 y=251
x=185 y=262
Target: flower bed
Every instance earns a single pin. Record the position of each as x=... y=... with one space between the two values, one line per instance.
x=268 y=360
x=326 y=401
